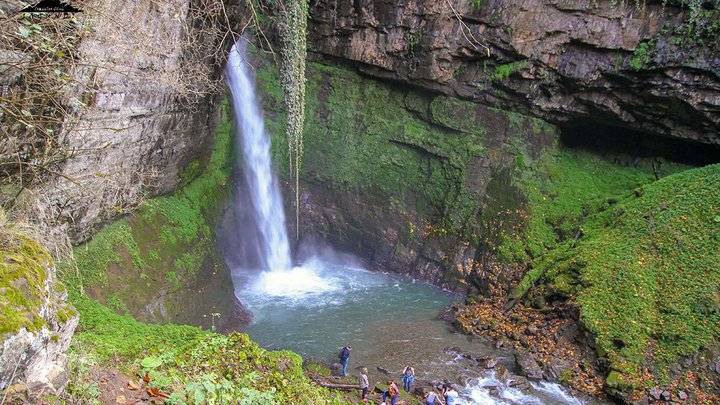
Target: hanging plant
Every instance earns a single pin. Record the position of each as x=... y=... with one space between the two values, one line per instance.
x=293 y=52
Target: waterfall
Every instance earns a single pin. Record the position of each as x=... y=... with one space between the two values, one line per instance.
x=255 y=144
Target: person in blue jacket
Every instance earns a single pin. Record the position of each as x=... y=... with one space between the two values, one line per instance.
x=344 y=356
x=408 y=377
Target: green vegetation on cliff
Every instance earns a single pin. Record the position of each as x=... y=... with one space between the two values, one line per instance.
x=363 y=135
x=649 y=271
x=640 y=262
x=169 y=239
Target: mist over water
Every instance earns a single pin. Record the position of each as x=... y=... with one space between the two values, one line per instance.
x=330 y=300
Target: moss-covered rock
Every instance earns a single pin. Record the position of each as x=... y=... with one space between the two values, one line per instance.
x=36 y=321
x=395 y=175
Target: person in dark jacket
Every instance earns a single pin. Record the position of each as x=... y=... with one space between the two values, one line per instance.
x=345 y=358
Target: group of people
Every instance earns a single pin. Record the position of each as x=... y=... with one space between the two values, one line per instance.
x=447 y=392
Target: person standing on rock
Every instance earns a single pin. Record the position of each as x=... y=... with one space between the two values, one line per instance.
x=393 y=392
x=344 y=356
x=408 y=377
x=364 y=383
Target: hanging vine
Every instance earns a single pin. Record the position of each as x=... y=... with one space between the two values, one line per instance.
x=293 y=52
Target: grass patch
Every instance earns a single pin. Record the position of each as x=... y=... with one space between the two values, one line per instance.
x=195 y=366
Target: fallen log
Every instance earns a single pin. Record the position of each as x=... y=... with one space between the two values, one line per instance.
x=338 y=386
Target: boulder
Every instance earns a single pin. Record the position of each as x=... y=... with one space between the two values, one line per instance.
x=655 y=393
x=553 y=370
x=528 y=365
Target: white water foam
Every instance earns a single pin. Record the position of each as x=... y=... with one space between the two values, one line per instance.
x=479 y=392
x=295 y=283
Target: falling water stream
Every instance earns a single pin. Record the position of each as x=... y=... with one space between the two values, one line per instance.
x=330 y=300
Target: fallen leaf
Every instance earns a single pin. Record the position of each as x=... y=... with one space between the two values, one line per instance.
x=157 y=393
x=133 y=386
x=121 y=399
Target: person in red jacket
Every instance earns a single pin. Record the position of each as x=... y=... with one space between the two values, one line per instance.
x=393 y=392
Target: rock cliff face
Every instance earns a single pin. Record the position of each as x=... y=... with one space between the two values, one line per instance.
x=400 y=177
x=144 y=121
x=585 y=65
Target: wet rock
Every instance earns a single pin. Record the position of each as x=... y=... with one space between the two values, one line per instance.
x=382 y=370
x=517 y=382
x=336 y=369
x=239 y=318
x=553 y=370
x=502 y=374
x=528 y=365
x=453 y=350
x=491 y=363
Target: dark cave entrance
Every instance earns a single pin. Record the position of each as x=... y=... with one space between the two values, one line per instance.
x=609 y=140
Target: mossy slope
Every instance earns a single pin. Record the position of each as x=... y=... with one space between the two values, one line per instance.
x=167 y=245
x=24 y=268
x=640 y=262
x=649 y=272
x=194 y=366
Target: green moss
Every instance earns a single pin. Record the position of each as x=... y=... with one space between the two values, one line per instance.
x=504 y=71
x=167 y=234
x=643 y=55
x=360 y=136
x=24 y=267
x=618 y=381
x=561 y=189
x=642 y=264
x=651 y=272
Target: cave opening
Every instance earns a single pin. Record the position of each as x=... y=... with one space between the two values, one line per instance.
x=610 y=140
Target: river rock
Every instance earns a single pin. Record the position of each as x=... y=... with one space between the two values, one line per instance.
x=554 y=369
x=655 y=393
x=491 y=363
x=528 y=365
x=336 y=369
x=383 y=370
x=240 y=317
